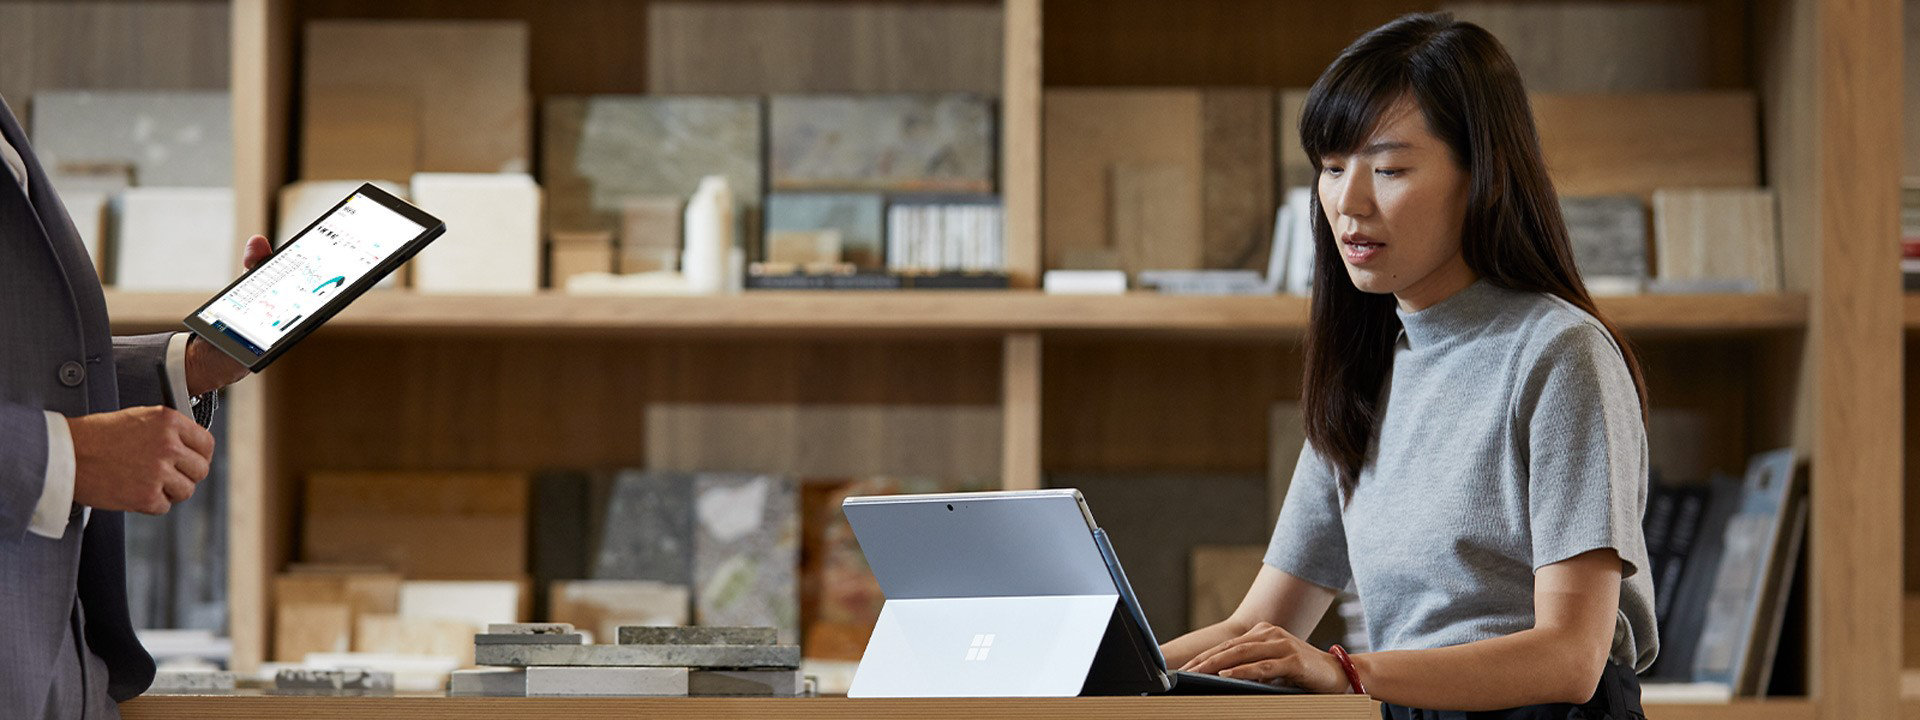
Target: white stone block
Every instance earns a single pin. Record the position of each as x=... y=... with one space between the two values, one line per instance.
x=603 y=681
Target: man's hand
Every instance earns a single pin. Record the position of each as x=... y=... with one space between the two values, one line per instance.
x=1269 y=653
x=143 y=459
x=209 y=369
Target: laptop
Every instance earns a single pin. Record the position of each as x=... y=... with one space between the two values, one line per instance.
x=1007 y=594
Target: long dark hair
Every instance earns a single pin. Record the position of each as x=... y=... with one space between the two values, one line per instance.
x=1469 y=92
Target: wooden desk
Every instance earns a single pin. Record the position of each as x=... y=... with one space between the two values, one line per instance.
x=252 y=705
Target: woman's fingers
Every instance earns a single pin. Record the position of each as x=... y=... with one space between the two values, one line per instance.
x=1266 y=670
x=1246 y=653
x=1260 y=632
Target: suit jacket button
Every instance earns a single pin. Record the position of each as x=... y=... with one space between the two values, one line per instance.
x=72 y=374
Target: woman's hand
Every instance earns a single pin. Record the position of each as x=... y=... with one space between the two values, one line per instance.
x=1268 y=653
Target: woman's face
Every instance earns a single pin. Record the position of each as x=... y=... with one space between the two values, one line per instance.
x=1396 y=206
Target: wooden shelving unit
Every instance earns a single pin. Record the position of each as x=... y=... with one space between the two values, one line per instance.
x=471 y=382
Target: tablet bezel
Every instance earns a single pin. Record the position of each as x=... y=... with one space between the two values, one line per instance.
x=432 y=228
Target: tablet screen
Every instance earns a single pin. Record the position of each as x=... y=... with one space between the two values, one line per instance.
x=321 y=263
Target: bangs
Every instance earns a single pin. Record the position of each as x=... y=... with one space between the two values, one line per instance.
x=1349 y=101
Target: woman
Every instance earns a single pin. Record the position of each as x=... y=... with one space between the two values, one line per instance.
x=1476 y=458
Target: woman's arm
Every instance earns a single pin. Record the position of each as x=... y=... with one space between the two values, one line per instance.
x=1558 y=660
x=1276 y=598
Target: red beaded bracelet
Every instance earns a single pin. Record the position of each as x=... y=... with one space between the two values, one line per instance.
x=1346 y=663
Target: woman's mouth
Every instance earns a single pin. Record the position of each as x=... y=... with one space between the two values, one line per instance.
x=1359 y=249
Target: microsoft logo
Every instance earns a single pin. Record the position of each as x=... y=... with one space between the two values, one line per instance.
x=981 y=644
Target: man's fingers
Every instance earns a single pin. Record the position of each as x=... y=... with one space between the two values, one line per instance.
x=257 y=250
x=193 y=468
x=193 y=436
x=176 y=488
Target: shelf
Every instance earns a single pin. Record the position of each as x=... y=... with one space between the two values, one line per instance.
x=922 y=312
x=1770 y=709
x=252 y=704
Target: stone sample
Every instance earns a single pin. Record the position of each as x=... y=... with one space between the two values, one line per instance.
x=855 y=218
x=648 y=531
x=1609 y=236
x=547 y=628
x=300 y=679
x=388 y=98
x=746 y=552
x=175 y=240
x=600 y=151
x=528 y=639
x=886 y=143
x=190 y=682
x=489 y=682
x=474 y=602
x=744 y=683
x=396 y=635
x=173 y=138
x=492 y=244
x=606 y=681
x=683 y=635
x=679 y=656
x=602 y=606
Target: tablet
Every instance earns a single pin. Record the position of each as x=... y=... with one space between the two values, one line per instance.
x=321 y=270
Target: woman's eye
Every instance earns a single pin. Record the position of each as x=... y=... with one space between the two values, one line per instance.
x=1389 y=172
x=1333 y=170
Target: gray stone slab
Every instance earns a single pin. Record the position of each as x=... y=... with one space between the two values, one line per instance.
x=682 y=656
x=552 y=628
x=1609 y=235
x=599 y=150
x=489 y=682
x=606 y=681
x=747 y=552
x=191 y=681
x=667 y=635
x=333 y=680
x=648 y=530
x=753 y=683
x=916 y=143
x=524 y=639
x=857 y=217
x=174 y=138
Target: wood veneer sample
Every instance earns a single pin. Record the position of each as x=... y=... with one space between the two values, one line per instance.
x=1564 y=47
x=1612 y=144
x=769 y=47
x=1715 y=234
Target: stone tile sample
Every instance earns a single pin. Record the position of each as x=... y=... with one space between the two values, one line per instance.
x=301 y=627
x=307 y=679
x=523 y=639
x=648 y=531
x=169 y=138
x=708 y=635
x=393 y=634
x=1717 y=235
x=546 y=628
x=756 y=47
x=489 y=682
x=465 y=81
x=680 y=656
x=1609 y=235
x=599 y=151
x=896 y=143
x=420 y=524
x=175 y=240
x=492 y=244
x=744 y=683
x=747 y=552
x=474 y=602
x=606 y=681
x=1155 y=521
x=191 y=681
x=857 y=218
x=602 y=606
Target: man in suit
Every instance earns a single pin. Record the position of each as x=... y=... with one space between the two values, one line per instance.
x=82 y=440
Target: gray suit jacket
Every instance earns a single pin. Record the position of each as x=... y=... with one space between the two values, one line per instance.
x=56 y=353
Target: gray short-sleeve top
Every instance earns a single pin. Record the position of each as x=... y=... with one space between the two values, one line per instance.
x=1511 y=439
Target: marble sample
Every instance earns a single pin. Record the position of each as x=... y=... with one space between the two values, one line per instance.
x=333 y=680
x=489 y=682
x=600 y=151
x=674 y=656
x=1609 y=235
x=528 y=639
x=492 y=244
x=648 y=531
x=746 y=552
x=378 y=633
x=190 y=681
x=474 y=602
x=1729 y=234
x=744 y=683
x=454 y=92
x=896 y=143
x=606 y=681
x=708 y=635
x=547 y=628
x=176 y=138
x=856 y=218
x=175 y=240
x=602 y=606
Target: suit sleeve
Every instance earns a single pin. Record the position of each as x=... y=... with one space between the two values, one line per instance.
x=23 y=467
x=139 y=365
